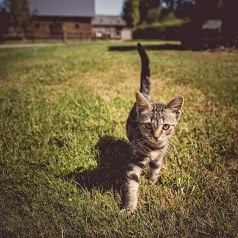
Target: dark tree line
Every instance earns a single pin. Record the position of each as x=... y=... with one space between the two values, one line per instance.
x=136 y=12
x=201 y=10
x=139 y=11
x=20 y=15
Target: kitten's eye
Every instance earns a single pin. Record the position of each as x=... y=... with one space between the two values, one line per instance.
x=166 y=126
x=148 y=125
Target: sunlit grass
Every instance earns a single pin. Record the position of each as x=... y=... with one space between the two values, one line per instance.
x=63 y=146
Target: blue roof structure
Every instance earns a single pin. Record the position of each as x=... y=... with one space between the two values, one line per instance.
x=64 y=8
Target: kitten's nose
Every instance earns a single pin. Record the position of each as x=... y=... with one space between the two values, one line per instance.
x=156 y=137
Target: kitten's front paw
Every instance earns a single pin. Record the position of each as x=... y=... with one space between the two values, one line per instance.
x=128 y=210
x=156 y=181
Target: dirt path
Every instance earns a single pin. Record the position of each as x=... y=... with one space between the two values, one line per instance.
x=24 y=45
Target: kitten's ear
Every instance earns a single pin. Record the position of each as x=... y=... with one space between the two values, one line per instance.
x=142 y=102
x=176 y=106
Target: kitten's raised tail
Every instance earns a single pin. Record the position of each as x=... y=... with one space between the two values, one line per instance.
x=145 y=71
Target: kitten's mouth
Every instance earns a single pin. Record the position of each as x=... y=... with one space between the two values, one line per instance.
x=155 y=141
x=158 y=141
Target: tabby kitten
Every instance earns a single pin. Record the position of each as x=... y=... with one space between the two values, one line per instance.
x=149 y=127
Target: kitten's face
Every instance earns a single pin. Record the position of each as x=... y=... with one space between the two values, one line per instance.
x=157 y=121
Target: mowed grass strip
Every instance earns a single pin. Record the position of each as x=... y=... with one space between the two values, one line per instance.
x=63 y=146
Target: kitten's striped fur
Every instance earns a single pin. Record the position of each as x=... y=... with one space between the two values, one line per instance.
x=149 y=127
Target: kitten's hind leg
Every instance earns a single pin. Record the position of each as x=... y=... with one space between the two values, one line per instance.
x=133 y=173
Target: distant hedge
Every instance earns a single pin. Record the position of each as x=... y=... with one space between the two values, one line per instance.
x=155 y=32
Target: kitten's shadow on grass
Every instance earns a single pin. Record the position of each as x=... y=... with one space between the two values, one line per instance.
x=112 y=158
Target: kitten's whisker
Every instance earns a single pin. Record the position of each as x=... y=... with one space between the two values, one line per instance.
x=138 y=143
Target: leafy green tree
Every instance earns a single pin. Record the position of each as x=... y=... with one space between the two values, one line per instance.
x=169 y=4
x=201 y=10
x=184 y=8
x=154 y=15
x=145 y=8
x=229 y=16
x=20 y=13
x=131 y=12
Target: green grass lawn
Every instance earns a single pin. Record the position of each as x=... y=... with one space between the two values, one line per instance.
x=63 y=146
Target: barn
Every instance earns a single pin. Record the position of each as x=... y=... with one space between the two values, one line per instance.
x=60 y=19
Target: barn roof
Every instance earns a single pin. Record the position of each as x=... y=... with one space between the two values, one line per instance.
x=103 y=20
x=65 y=8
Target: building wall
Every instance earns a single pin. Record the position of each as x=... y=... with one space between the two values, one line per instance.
x=61 y=28
x=112 y=32
x=126 y=34
x=107 y=32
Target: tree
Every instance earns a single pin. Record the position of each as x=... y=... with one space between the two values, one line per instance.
x=154 y=15
x=169 y=4
x=20 y=14
x=201 y=10
x=148 y=6
x=185 y=8
x=131 y=12
x=229 y=16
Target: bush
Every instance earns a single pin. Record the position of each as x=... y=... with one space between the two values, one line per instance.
x=169 y=29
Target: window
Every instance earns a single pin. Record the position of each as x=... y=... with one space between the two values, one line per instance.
x=77 y=26
x=118 y=32
x=55 y=27
x=37 y=25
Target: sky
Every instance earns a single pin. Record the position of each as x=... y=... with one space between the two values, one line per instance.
x=108 y=7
